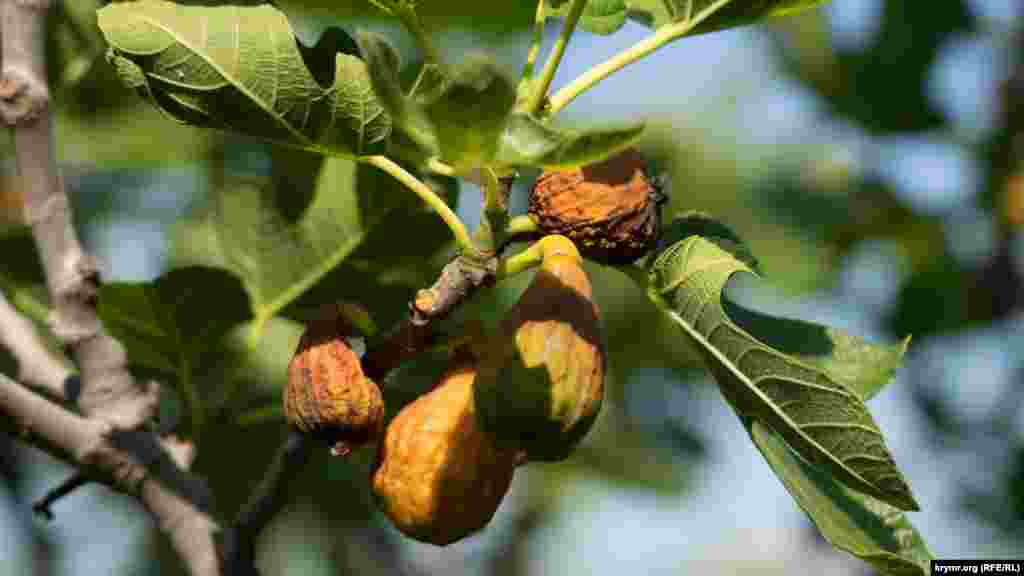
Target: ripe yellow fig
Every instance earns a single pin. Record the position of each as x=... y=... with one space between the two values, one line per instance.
x=541 y=378
x=327 y=393
x=438 y=476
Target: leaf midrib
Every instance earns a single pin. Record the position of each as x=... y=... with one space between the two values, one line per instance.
x=234 y=81
x=731 y=367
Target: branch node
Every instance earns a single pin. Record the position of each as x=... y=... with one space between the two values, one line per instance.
x=23 y=99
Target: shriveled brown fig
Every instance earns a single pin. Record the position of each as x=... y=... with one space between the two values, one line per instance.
x=610 y=209
x=327 y=393
x=541 y=378
x=438 y=476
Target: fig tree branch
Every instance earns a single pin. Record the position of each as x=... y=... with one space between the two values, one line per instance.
x=135 y=462
x=459 y=279
x=113 y=441
x=265 y=502
x=36 y=366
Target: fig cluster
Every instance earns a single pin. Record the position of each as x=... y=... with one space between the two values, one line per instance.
x=529 y=392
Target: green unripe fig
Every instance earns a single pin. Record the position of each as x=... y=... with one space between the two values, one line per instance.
x=541 y=378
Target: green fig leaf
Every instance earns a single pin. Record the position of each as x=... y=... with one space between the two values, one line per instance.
x=818 y=410
x=383 y=64
x=696 y=16
x=278 y=259
x=173 y=323
x=241 y=69
x=528 y=142
x=852 y=521
x=468 y=109
x=599 y=16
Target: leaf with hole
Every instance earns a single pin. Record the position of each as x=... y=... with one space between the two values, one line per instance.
x=241 y=69
x=813 y=405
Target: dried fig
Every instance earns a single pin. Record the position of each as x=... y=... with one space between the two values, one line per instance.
x=541 y=378
x=327 y=393
x=438 y=476
x=610 y=208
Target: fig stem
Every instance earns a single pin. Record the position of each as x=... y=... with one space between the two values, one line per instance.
x=659 y=38
x=455 y=224
x=531 y=257
x=537 y=97
x=491 y=232
x=531 y=57
x=438 y=167
x=522 y=224
x=547 y=247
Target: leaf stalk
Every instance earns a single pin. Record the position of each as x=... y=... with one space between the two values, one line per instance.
x=659 y=38
x=555 y=58
x=454 y=223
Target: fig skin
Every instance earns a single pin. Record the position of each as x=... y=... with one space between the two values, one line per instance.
x=610 y=209
x=541 y=379
x=438 y=477
x=328 y=395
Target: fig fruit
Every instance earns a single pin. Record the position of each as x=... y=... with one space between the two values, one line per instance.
x=438 y=477
x=327 y=394
x=541 y=378
x=610 y=209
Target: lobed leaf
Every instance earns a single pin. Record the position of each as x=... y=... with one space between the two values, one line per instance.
x=811 y=403
x=278 y=258
x=241 y=69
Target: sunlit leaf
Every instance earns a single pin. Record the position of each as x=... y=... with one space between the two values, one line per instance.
x=807 y=403
x=240 y=68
